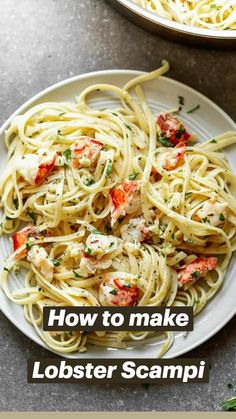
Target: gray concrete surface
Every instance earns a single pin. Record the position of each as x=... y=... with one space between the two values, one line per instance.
x=42 y=42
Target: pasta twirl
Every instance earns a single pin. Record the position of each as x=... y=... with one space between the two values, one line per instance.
x=208 y=14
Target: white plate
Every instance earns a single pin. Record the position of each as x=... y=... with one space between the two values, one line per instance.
x=206 y=122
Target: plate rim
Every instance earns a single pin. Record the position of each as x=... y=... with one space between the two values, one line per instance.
x=87 y=75
x=179 y=27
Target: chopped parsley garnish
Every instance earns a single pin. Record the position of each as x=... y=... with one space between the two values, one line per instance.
x=179 y=133
x=76 y=275
x=57 y=262
x=89 y=182
x=213 y=141
x=61 y=114
x=16 y=203
x=59 y=132
x=164 y=140
x=5 y=269
x=222 y=217
x=128 y=127
x=87 y=250
x=32 y=216
x=197 y=301
x=193 y=109
x=56 y=181
x=67 y=154
x=181 y=100
x=105 y=148
x=196 y=275
x=127 y=286
x=206 y=220
x=133 y=176
x=109 y=170
x=113 y=113
x=113 y=292
x=8 y=218
x=29 y=245
x=230 y=404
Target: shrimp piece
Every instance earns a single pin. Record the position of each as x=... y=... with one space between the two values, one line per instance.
x=85 y=152
x=99 y=244
x=21 y=237
x=43 y=171
x=90 y=265
x=195 y=270
x=98 y=253
x=118 y=292
x=34 y=168
x=135 y=231
x=173 y=131
x=125 y=199
x=172 y=159
x=39 y=257
x=213 y=212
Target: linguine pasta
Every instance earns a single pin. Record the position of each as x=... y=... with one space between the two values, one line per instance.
x=208 y=14
x=114 y=207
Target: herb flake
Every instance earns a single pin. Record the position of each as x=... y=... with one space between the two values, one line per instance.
x=67 y=154
x=221 y=217
x=87 y=250
x=181 y=102
x=57 y=262
x=164 y=140
x=128 y=127
x=109 y=170
x=193 y=109
x=133 y=176
x=16 y=203
x=230 y=404
x=196 y=275
x=89 y=182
